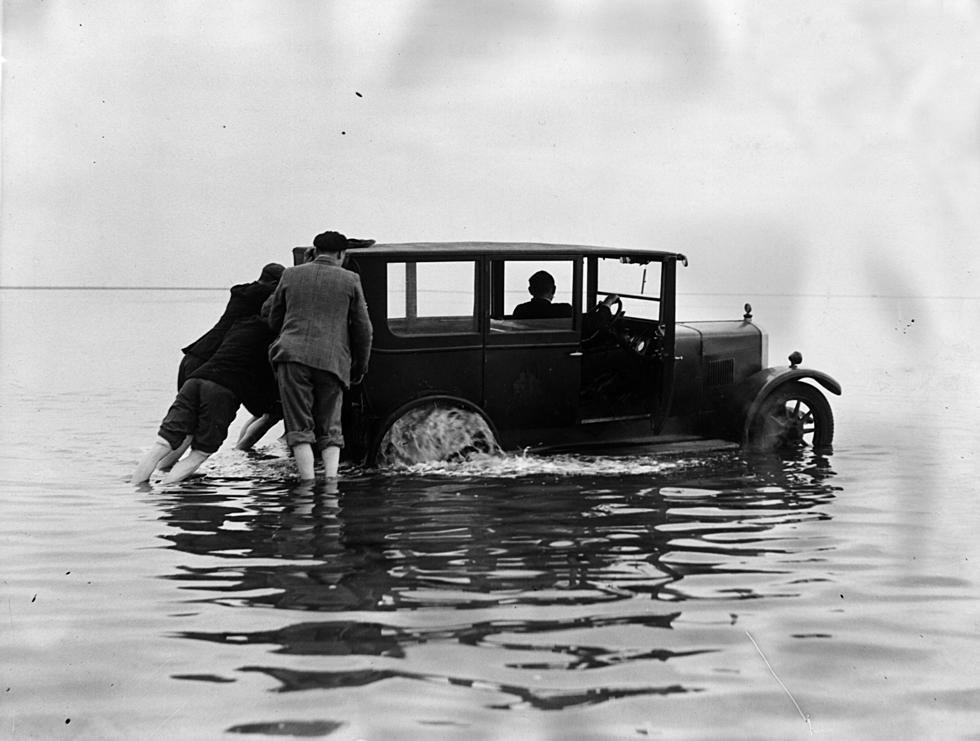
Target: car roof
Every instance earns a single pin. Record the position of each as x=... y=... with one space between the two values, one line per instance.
x=506 y=249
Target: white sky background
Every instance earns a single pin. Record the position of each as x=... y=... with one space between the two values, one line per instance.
x=785 y=147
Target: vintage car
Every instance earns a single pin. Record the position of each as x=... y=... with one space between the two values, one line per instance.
x=452 y=370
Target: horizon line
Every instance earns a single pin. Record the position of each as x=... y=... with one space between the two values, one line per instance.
x=112 y=288
x=679 y=293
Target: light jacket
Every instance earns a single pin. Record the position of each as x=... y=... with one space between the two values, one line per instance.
x=321 y=319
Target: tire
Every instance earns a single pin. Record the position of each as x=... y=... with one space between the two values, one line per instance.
x=795 y=415
x=435 y=430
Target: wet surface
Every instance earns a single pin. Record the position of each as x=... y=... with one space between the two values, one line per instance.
x=717 y=595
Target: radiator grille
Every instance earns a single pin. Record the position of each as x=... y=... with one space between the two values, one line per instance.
x=720 y=372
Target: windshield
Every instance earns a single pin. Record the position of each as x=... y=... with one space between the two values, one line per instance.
x=637 y=285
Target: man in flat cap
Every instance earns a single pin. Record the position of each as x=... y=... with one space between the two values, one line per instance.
x=322 y=346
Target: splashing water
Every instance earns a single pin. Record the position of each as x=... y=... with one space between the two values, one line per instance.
x=511 y=465
x=436 y=432
x=440 y=439
x=231 y=465
x=445 y=440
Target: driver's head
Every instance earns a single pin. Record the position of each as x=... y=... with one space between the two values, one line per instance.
x=541 y=285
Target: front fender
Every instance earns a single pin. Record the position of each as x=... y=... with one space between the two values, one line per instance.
x=750 y=394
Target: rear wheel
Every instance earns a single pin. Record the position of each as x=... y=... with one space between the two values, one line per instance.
x=795 y=415
x=435 y=430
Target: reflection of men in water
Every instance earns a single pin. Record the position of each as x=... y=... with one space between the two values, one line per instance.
x=541 y=286
x=324 y=342
x=246 y=299
x=237 y=373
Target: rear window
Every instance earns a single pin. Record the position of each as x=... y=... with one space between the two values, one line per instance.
x=432 y=298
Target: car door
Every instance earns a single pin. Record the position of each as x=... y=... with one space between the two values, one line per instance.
x=627 y=368
x=532 y=366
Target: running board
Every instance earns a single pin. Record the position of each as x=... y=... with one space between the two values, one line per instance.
x=621 y=418
x=666 y=444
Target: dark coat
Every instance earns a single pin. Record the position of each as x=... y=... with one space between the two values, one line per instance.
x=541 y=308
x=241 y=364
x=321 y=319
x=246 y=299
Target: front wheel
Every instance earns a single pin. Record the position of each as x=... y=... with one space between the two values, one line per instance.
x=795 y=415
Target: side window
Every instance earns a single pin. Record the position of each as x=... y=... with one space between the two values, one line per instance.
x=432 y=298
x=636 y=284
x=537 y=295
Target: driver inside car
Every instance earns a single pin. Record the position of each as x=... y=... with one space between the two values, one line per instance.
x=602 y=317
x=541 y=286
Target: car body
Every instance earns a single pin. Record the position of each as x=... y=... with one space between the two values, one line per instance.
x=618 y=369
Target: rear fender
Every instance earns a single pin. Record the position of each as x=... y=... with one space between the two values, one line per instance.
x=750 y=394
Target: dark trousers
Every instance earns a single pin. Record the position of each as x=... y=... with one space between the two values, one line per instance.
x=204 y=409
x=188 y=364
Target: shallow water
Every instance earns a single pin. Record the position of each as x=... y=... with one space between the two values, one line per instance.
x=722 y=596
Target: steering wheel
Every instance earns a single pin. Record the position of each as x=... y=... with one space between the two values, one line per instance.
x=614 y=305
x=604 y=317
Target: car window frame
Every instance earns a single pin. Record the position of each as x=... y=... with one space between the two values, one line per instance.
x=519 y=331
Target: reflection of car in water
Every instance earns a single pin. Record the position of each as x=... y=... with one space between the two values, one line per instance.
x=620 y=370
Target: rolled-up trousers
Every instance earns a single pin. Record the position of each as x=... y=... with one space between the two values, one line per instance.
x=312 y=400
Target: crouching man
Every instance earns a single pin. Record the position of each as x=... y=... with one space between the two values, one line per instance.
x=237 y=373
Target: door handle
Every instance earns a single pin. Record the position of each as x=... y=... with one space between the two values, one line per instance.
x=576 y=354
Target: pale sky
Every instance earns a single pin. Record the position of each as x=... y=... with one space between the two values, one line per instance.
x=829 y=148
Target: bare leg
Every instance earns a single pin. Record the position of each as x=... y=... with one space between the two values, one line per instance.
x=253 y=431
x=303 y=453
x=241 y=435
x=168 y=460
x=186 y=467
x=331 y=461
x=148 y=464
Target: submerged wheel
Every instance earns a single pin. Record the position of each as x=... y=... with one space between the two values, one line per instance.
x=435 y=430
x=794 y=415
